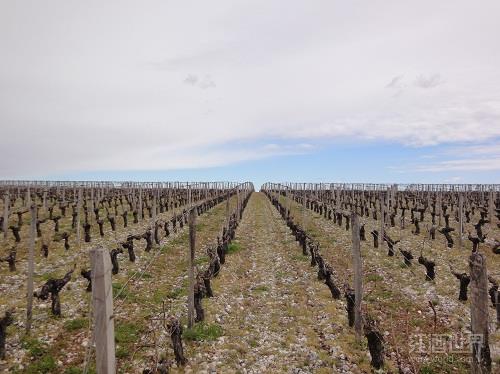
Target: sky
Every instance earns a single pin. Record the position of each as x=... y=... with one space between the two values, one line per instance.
x=332 y=91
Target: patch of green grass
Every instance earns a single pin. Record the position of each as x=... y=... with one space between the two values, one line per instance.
x=42 y=361
x=34 y=347
x=73 y=370
x=76 y=324
x=385 y=294
x=120 y=291
x=201 y=260
x=77 y=370
x=203 y=332
x=164 y=249
x=253 y=343
x=176 y=293
x=158 y=296
x=126 y=332
x=360 y=346
x=233 y=247
x=122 y=352
x=450 y=364
x=300 y=257
x=417 y=323
x=427 y=370
x=261 y=288
x=57 y=237
x=47 y=276
x=45 y=364
x=374 y=278
x=181 y=239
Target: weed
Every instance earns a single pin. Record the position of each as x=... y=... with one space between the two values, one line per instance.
x=261 y=288
x=34 y=347
x=176 y=293
x=73 y=370
x=374 y=278
x=120 y=291
x=203 y=332
x=122 y=352
x=201 y=260
x=300 y=257
x=76 y=324
x=126 y=332
x=46 y=364
x=233 y=247
x=77 y=370
x=253 y=343
x=42 y=361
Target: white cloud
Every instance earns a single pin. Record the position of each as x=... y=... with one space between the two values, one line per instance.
x=396 y=82
x=161 y=86
x=207 y=82
x=429 y=81
x=476 y=164
x=488 y=149
x=455 y=179
x=466 y=158
x=203 y=83
x=191 y=79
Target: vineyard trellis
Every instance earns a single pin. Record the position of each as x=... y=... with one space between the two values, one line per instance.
x=334 y=201
x=168 y=204
x=91 y=248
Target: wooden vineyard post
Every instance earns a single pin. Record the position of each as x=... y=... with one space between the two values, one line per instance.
x=227 y=209
x=491 y=207
x=153 y=225
x=189 y=196
x=279 y=193
x=393 y=195
x=439 y=207
x=237 y=204
x=382 y=220
x=31 y=267
x=102 y=299
x=6 y=204
x=497 y=307
x=286 y=203
x=460 y=219
x=291 y=196
x=192 y=246
x=358 y=276
x=154 y=205
x=171 y=197
x=91 y=203
x=44 y=202
x=304 y=207
x=78 y=217
x=140 y=203
x=28 y=197
x=481 y=360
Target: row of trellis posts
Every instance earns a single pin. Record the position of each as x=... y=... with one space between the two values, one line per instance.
x=102 y=291
x=477 y=261
x=101 y=266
